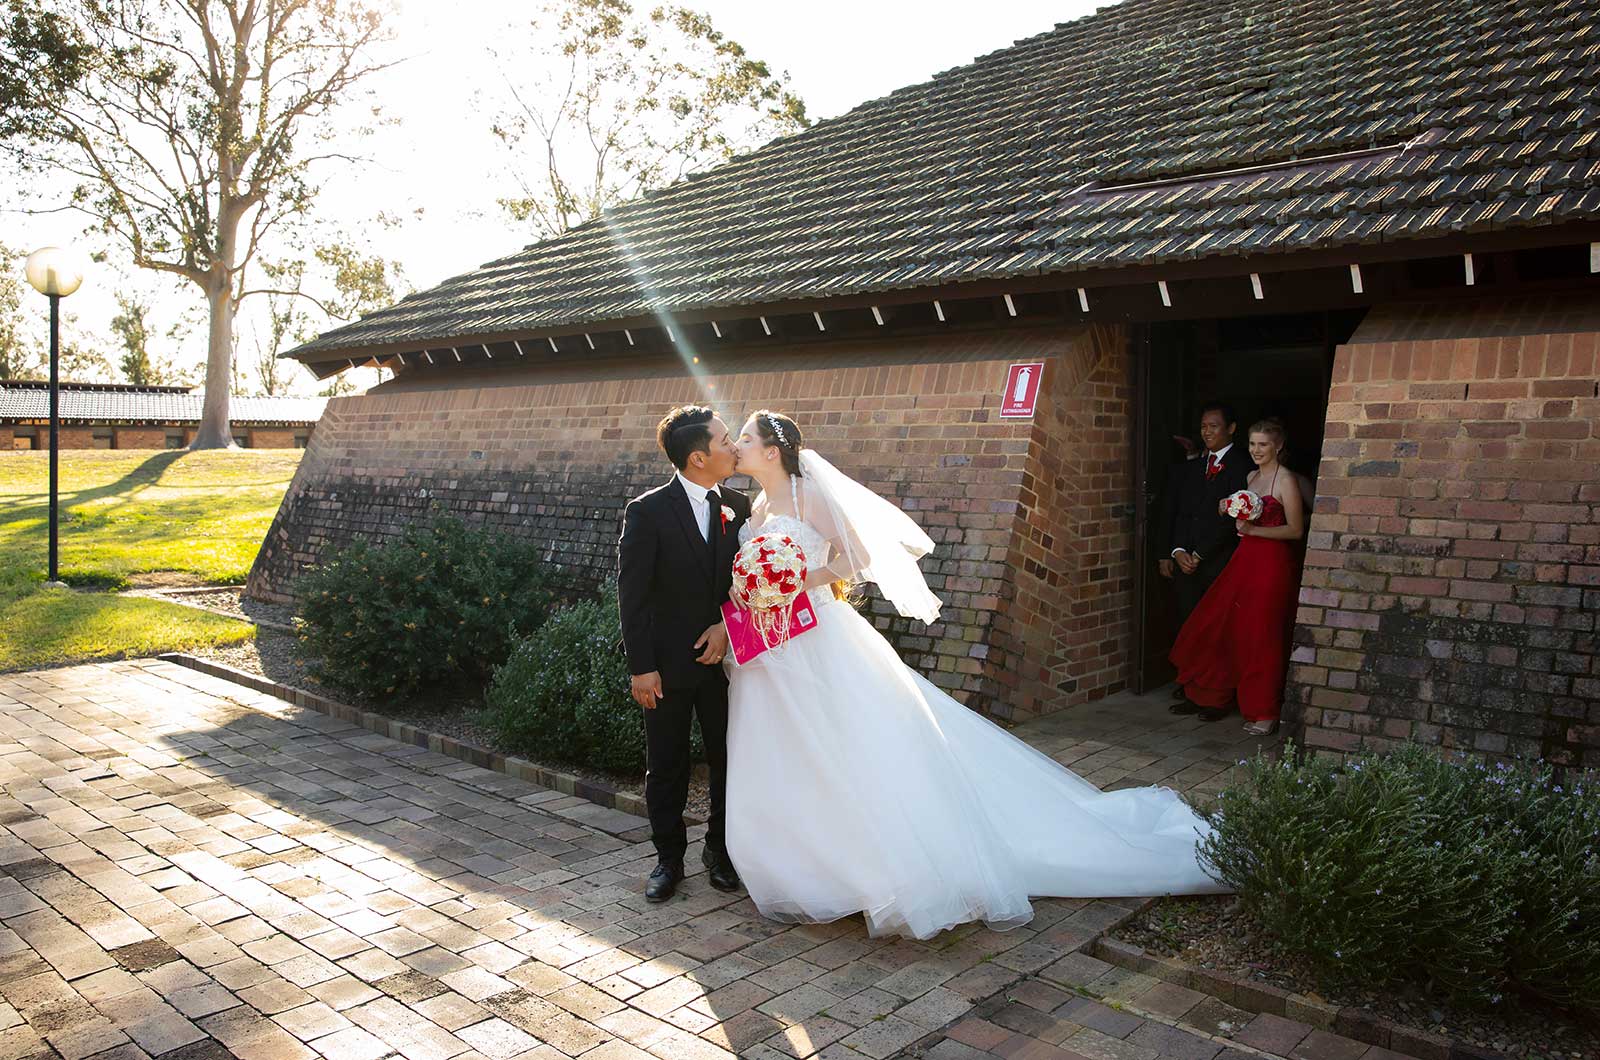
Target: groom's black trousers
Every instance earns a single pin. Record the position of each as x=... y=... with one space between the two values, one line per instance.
x=666 y=781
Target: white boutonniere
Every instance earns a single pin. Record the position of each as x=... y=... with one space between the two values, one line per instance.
x=728 y=516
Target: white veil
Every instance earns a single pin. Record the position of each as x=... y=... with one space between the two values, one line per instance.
x=872 y=539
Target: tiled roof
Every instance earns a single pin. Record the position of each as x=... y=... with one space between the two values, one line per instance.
x=114 y=406
x=981 y=172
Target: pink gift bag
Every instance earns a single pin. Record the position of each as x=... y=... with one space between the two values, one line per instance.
x=745 y=640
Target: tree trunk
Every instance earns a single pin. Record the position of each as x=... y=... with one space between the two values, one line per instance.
x=215 y=430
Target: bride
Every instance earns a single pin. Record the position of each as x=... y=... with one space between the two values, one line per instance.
x=854 y=785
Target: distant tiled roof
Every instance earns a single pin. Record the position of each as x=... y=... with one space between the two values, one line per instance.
x=28 y=401
x=1000 y=168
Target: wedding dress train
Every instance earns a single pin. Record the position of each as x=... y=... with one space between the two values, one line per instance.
x=855 y=785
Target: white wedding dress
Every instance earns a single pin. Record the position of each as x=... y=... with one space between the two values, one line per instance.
x=854 y=785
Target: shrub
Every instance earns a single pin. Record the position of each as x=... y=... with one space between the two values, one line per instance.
x=1479 y=880
x=441 y=602
x=563 y=694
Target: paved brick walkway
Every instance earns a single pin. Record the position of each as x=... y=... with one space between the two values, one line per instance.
x=1129 y=740
x=192 y=869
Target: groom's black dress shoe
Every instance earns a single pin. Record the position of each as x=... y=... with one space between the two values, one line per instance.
x=720 y=871
x=663 y=882
x=1184 y=706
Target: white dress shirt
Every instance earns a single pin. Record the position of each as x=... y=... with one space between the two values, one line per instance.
x=698 y=502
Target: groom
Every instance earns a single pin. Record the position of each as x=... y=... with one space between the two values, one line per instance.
x=675 y=567
x=1195 y=540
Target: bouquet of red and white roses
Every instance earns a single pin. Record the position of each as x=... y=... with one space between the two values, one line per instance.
x=1244 y=505
x=769 y=572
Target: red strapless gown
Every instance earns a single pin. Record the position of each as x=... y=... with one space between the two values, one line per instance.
x=1236 y=643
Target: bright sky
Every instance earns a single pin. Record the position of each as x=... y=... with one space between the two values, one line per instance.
x=441 y=159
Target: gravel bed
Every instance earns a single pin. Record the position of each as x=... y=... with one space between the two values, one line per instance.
x=277 y=656
x=1217 y=934
x=228 y=599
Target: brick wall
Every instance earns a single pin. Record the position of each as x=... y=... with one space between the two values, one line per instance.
x=68 y=437
x=272 y=437
x=144 y=437
x=554 y=453
x=141 y=438
x=1452 y=580
x=1069 y=622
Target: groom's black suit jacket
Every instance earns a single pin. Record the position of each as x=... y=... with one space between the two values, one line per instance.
x=670 y=584
x=1191 y=518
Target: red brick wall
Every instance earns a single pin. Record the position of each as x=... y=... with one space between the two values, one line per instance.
x=1452 y=580
x=144 y=437
x=271 y=437
x=141 y=438
x=1069 y=624
x=555 y=452
x=68 y=438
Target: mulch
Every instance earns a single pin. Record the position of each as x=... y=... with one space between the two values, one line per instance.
x=449 y=712
x=1219 y=935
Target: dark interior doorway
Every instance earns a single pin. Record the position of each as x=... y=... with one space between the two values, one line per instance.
x=1263 y=366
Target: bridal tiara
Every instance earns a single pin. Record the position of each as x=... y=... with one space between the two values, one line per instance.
x=777 y=429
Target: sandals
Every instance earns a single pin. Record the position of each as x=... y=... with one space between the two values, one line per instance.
x=1260 y=728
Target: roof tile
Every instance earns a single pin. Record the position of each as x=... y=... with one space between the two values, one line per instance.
x=982 y=170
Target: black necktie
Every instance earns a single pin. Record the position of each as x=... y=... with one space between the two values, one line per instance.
x=713 y=509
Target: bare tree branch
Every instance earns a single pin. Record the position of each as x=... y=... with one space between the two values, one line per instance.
x=183 y=130
x=608 y=102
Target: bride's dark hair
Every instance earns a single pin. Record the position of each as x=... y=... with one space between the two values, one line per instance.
x=777 y=429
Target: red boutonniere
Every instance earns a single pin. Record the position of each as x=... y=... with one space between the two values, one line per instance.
x=728 y=516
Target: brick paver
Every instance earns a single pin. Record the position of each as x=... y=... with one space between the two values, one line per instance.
x=1128 y=740
x=191 y=869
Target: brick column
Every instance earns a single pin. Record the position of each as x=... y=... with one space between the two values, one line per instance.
x=1452 y=579
x=1065 y=635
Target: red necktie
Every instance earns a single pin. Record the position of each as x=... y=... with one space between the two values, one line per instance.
x=1213 y=466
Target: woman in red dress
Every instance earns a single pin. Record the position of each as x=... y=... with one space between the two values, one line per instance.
x=1235 y=646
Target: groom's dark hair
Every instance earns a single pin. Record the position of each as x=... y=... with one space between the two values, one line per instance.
x=684 y=430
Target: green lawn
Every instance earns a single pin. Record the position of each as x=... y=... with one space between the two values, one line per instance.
x=125 y=513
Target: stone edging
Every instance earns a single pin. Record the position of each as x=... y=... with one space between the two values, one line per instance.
x=1346 y=1020
x=510 y=765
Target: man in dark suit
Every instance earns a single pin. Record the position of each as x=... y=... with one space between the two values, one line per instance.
x=674 y=570
x=1197 y=540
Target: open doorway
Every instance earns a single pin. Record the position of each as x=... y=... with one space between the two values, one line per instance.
x=1262 y=366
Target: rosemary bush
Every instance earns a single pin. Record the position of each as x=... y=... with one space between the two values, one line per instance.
x=563 y=694
x=441 y=602
x=1481 y=881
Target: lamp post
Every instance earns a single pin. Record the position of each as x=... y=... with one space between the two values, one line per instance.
x=54 y=273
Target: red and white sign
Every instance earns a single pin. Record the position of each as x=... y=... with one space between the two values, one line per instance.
x=1022 y=390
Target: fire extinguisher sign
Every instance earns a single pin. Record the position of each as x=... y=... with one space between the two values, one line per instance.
x=1022 y=390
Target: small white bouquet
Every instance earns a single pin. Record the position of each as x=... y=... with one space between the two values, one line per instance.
x=1244 y=505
